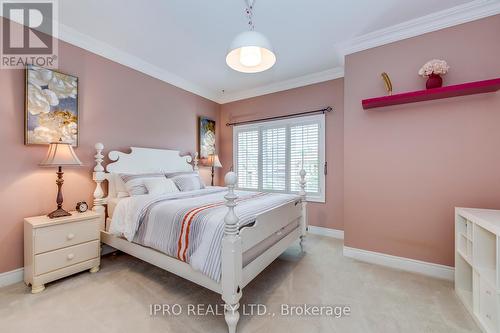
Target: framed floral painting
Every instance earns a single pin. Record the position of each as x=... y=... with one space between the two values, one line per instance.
x=51 y=108
x=207 y=137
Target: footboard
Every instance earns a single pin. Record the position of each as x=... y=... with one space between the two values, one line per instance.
x=236 y=242
x=269 y=223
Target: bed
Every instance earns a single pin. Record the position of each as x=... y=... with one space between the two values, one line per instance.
x=226 y=237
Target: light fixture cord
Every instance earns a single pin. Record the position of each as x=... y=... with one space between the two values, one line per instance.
x=249 y=12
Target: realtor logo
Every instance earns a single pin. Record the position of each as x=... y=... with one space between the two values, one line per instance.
x=29 y=34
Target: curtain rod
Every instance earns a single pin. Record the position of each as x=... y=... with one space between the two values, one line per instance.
x=294 y=115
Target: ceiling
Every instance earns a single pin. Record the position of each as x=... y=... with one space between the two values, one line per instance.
x=184 y=42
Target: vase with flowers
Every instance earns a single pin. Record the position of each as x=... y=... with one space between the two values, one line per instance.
x=433 y=70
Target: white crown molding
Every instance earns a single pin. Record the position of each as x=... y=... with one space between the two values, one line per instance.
x=11 y=277
x=334 y=233
x=74 y=37
x=330 y=74
x=405 y=264
x=436 y=21
x=105 y=50
x=471 y=11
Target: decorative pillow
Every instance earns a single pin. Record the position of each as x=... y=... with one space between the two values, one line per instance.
x=187 y=181
x=135 y=182
x=119 y=185
x=158 y=186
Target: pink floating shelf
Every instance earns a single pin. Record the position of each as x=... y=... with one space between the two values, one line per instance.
x=470 y=88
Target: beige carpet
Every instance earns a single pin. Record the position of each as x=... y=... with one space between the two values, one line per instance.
x=118 y=298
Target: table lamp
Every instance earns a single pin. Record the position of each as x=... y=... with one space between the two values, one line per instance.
x=213 y=162
x=60 y=154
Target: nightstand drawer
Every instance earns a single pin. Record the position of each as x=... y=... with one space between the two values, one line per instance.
x=51 y=261
x=63 y=235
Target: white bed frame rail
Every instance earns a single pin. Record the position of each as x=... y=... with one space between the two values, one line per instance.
x=235 y=241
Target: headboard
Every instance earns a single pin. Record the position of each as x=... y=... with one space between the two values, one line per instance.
x=139 y=160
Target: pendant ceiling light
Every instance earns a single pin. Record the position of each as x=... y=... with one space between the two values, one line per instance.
x=250 y=51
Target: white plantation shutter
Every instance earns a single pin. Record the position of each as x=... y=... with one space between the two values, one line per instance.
x=304 y=154
x=269 y=156
x=274 y=159
x=247 y=164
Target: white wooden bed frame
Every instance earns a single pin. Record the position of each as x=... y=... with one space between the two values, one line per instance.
x=235 y=241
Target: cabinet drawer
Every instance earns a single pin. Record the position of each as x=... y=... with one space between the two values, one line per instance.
x=63 y=235
x=51 y=261
x=488 y=310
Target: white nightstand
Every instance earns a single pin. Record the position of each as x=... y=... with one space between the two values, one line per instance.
x=55 y=248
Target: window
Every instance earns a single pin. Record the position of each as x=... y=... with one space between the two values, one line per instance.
x=269 y=156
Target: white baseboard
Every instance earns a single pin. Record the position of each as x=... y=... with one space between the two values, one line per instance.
x=405 y=264
x=334 y=233
x=11 y=277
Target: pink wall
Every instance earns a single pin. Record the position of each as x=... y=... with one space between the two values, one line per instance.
x=407 y=167
x=118 y=106
x=395 y=174
x=329 y=214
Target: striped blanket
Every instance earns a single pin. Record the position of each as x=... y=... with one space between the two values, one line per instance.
x=189 y=225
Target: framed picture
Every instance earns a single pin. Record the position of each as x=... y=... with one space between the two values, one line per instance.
x=206 y=137
x=51 y=107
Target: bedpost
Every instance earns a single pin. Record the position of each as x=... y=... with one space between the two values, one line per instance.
x=99 y=176
x=196 y=160
x=232 y=265
x=303 y=221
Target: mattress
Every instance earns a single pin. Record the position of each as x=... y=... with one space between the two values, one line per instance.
x=112 y=203
x=190 y=226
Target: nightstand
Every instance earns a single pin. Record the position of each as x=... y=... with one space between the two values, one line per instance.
x=55 y=248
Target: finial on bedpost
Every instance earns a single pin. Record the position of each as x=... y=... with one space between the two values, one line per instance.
x=99 y=176
x=302 y=184
x=196 y=160
x=99 y=147
x=232 y=258
x=303 y=221
x=231 y=220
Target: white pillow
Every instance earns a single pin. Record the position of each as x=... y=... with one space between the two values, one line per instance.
x=119 y=184
x=159 y=186
x=135 y=182
x=188 y=182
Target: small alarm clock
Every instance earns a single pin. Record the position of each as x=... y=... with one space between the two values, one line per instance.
x=82 y=207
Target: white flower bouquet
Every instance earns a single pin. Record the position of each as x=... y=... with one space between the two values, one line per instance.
x=435 y=66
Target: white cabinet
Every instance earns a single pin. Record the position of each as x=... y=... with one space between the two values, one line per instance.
x=477 y=264
x=55 y=248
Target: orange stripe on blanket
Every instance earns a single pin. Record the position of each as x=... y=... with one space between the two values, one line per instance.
x=195 y=212
x=179 y=243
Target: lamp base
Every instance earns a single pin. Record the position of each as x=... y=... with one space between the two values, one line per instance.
x=58 y=213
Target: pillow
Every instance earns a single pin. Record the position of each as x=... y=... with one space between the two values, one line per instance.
x=158 y=186
x=119 y=186
x=134 y=183
x=188 y=181
x=182 y=173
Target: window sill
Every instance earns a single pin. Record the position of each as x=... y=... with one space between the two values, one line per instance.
x=315 y=199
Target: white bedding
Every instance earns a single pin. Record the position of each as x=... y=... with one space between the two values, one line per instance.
x=188 y=225
x=126 y=213
x=112 y=203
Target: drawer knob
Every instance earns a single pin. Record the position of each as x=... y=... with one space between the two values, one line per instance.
x=488 y=316
x=488 y=292
x=71 y=256
x=70 y=236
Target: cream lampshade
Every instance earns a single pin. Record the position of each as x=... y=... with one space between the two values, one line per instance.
x=60 y=154
x=214 y=162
